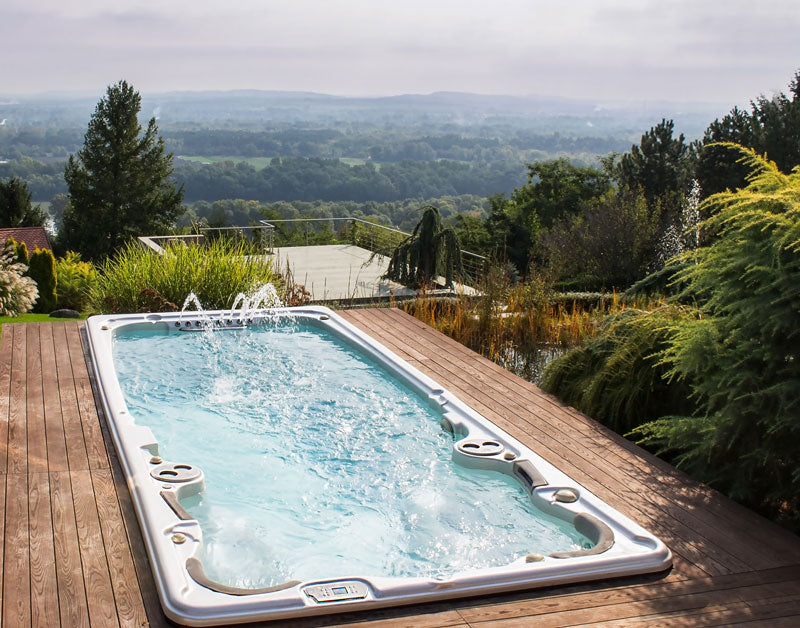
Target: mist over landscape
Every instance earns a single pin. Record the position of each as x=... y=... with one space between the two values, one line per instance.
x=322 y=148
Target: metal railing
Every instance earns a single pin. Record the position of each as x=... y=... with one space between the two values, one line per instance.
x=261 y=235
x=285 y=232
x=368 y=235
x=156 y=242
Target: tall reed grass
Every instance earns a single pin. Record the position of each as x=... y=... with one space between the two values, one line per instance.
x=519 y=326
x=137 y=279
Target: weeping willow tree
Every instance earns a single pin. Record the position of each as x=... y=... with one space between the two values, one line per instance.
x=430 y=251
x=735 y=356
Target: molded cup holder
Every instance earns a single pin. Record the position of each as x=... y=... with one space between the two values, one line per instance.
x=175 y=472
x=480 y=447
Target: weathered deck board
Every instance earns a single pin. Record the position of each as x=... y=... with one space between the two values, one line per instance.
x=127 y=595
x=17 y=426
x=69 y=573
x=44 y=588
x=71 y=550
x=53 y=419
x=73 y=432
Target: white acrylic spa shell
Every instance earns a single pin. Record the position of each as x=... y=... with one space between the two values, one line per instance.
x=173 y=538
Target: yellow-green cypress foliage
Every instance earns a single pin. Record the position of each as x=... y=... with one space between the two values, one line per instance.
x=42 y=269
x=741 y=354
x=20 y=249
x=733 y=356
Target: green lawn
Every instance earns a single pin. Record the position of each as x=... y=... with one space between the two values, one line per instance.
x=35 y=318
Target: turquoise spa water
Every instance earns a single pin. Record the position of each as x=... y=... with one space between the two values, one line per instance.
x=318 y=464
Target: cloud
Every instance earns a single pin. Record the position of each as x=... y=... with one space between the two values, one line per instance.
x=710 y=50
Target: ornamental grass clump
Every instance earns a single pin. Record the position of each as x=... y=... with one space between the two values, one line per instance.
x=18 y=293
x=520 y=326
x=616 y=377
x=137 y=279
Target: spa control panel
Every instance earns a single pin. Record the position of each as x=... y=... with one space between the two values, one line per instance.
x=337 y=591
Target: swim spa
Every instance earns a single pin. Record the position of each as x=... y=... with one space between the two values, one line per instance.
x=290 y=465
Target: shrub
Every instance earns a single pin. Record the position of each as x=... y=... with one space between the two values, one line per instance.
x=21 y=250
x=617 y=377
x=741 y=353
x=17 y=292
x=735 y=356
x=610 y=244
x=138 y=279
x=42 y=269
x=75 y=277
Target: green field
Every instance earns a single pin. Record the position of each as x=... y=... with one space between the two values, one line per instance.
x=353 y=161
x=259 y=162
x=256 y=162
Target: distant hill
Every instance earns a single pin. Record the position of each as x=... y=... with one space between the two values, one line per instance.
x=249 y=109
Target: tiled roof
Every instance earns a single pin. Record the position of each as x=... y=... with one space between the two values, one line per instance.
x=32 y=236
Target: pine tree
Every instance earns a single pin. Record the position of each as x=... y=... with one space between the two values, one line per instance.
x=119 y=183
x=661 y=165
x=16 y=208
x=771 y=127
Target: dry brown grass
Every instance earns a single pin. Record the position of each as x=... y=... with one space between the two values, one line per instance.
x=521 y=326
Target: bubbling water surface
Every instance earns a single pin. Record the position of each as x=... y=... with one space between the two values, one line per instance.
x=318 y=463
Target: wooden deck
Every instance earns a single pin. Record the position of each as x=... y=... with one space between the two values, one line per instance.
x=71 y=553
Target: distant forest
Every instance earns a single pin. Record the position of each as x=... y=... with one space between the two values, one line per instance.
x=390 y=149
x=318 y=164
x=378 y=145
x=304 y=179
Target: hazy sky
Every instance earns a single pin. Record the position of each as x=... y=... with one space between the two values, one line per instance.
x=725 y=51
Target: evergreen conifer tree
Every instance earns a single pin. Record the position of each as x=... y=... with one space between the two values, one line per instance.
x=119 y=183
x=16 y=208
x=42 y=269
